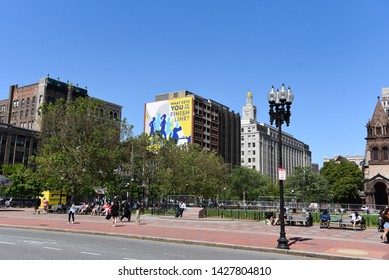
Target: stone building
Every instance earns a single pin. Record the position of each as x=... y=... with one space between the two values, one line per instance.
x=259 y=145
x=376 y=169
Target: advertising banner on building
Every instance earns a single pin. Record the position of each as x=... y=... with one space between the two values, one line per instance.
x=173 y=119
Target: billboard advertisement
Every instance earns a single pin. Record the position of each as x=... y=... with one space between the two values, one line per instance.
x=173 y=119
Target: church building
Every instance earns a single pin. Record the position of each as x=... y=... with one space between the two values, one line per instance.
x=376 y=169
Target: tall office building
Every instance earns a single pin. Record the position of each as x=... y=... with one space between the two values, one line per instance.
x=259 y=145
x=190 y=118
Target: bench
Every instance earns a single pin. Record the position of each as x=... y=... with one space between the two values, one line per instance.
x=343 y=221
x=302 y=219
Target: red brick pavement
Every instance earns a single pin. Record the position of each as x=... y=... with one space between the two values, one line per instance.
x=304 y=241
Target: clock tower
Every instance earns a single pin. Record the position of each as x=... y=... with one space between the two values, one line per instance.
x=249 y=111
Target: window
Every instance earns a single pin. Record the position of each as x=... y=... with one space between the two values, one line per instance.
x=40 y=99
x=385 y=151
x=26 y=113
x=33 y=100
x=375 y=153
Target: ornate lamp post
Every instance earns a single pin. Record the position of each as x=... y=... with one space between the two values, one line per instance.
x=280 y=102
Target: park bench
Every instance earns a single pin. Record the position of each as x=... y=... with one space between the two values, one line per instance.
x=302 y=219
x=343 y=221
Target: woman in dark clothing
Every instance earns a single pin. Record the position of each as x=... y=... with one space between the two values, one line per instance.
x=114 y=212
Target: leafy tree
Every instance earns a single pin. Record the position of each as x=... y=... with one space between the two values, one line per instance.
x=345 y=179
x=307 y=186
x=25 y=181
x=81 y=147
x=249 y=184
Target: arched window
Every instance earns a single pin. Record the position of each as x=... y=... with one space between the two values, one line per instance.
x=375 y=153
x=385 y=153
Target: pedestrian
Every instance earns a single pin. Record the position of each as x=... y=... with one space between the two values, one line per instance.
x=126 y=210
x=114 y=212
x=37 y=204
x=45 y=205
x=138 y=207
x=181 y=209
x=71 y=211
x=385 y=218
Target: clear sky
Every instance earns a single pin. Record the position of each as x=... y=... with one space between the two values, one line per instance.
x=333 y=54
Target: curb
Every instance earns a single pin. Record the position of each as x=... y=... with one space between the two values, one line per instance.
x=198 y=243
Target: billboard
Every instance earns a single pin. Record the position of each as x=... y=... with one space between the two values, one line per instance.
x=173 y=119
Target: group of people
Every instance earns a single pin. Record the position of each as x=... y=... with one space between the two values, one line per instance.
x=111 y=211
x=325 y=219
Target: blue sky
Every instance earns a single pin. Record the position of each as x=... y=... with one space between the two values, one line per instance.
x=333 y=54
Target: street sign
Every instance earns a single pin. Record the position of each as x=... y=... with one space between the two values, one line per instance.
x=281 y=174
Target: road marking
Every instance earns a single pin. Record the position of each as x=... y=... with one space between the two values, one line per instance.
x=174 y=255
x=129 y=259
x=88 y=253
x=51 y=248
x=9 y=243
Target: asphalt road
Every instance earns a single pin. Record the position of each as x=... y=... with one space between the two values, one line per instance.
x=22 y=244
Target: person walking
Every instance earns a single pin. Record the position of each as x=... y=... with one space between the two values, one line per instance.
x=37 y=204
x=71 y=211
x=126 y=210
x=181 y=209
x=385 y=218
x=138 y=207
x=114 y=212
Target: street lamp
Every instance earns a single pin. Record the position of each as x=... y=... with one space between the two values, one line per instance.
x=280 y=102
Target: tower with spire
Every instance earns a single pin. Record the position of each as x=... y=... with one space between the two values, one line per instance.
x=249 y=111
x=376 y=169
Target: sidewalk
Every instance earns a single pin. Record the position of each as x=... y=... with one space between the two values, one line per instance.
x=249 y=235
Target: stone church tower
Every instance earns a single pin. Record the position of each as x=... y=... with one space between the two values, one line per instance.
x=376 y=170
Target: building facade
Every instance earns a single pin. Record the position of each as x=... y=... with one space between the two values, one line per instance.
x=20 y=116
x=376 y=169
x=259 y=145
x=190 y=118
x=22 y=108
x=17 y=145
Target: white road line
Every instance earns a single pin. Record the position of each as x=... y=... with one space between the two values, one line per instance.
x=51 y=248
x=88 y=253
x=129 y=259
x=9 y=243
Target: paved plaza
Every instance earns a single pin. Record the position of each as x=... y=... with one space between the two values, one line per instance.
x=243 y=234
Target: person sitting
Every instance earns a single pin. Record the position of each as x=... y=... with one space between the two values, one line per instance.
x=96 y=210
x=269 y=219
x=325 y=219
x=356 y=219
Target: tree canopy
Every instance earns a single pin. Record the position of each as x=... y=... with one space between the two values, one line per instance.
x=345 y=180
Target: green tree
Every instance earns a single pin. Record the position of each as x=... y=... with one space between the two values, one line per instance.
x=249 y=184
x=307 y=186
x=81 y=147
x=345 y=179
x=25 y=181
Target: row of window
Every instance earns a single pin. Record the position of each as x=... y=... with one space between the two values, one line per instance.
x=383 y=155
x=28 y=125
x=27 y=101
x=23 y=113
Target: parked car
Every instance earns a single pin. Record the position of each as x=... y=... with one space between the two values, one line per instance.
x=19 y=202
